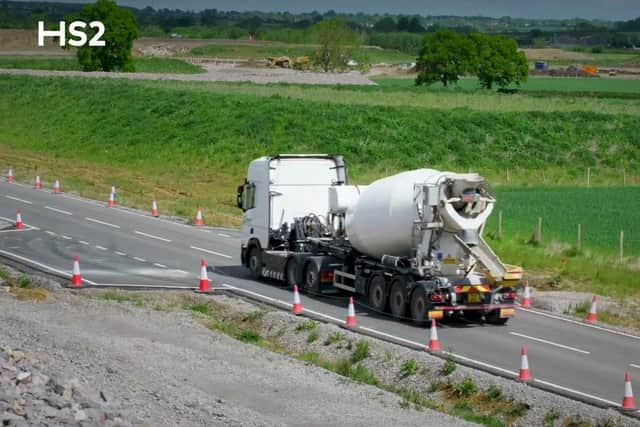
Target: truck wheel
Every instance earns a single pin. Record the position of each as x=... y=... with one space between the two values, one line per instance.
x=419 y=306
x=378 y=292
x=494 y=318
x=398 y=298
x=292 y=267
x=255 y=263
x=311 y=279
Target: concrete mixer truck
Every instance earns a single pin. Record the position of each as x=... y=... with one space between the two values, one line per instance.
x=409 y=244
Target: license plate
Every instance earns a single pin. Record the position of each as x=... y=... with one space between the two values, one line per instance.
x=435 y=314
x=507 y=312
x=473 y=298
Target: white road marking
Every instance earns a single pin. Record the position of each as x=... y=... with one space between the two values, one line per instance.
x=634 y=365
x=46 y=267
x=566 y=347
x=223 y=235
x=210 y=252
x=139 y=259
x=120 y=253
x=159 y=265
x=82 y=242
x=102 y=248
x=66 y=237
x=182 y=271
x=151 y=236
x=19 y=200
x=58 y=210
x=13 y=220
x=579 y=393
x=50 y=233
x=588 y=325
x=102 y=222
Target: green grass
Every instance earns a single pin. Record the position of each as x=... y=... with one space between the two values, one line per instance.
x=122 y=298
x=533 y=84
x=602 y=212
x=143 y=65
x=265 y=51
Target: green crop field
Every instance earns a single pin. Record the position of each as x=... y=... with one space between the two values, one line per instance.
x=602 y=212
x=190 y=144
x=143 y=65
x=533 y=84
x=265 y=51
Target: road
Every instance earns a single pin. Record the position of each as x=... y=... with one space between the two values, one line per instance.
x=125 y=248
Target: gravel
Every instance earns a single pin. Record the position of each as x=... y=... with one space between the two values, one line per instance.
x=162 y=368
x=220 y=73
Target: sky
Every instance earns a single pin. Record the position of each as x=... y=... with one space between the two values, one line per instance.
x=557 y=9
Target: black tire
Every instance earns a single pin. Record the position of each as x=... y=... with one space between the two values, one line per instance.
x=311 y=278
x=378 y=292
x=398 y=298
x=494 y=318
x=292 y=267
x=255 y=263
x=419 y=306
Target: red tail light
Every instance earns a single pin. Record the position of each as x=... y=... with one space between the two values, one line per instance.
x=457 y=289
x=509 y=295
x=326 y=276
x=436 y=297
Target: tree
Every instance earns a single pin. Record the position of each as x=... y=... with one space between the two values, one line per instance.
x=337 y=44
x=498 y=61
x=444 y=57
x=403 y=24
x=120 y=32
x=415 y=26
x=385 y=25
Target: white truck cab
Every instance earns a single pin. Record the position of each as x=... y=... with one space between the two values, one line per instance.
x=278 y=189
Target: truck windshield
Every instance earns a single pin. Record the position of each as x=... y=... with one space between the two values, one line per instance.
x=303 y=171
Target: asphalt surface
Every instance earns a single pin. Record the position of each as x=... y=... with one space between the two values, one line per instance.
x=125 y=248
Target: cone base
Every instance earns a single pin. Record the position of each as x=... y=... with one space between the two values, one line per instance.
x=526 y=303
x=525 y=375
x=19 y=226
x=199 y=223
x=591 y=318
x=351 y=322
x=76 y=282
x=628 y=404
x=434 y=346
x=9 y=180
x=155 y=214
x=111 y=204
x=296 y=309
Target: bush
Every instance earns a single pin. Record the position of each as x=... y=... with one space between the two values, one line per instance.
x=449 y=366
x=313 y=336
x=465 y=388
x=334 y=337
x=494 y=393
x=249 y=337
x=362 y=375
x=408 y=368
x=361 y=352
x=307 y=325
x=24 y=281
x=199 y=308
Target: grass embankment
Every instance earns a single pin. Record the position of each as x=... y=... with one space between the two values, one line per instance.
x=237 y=51
x=592 y=85
x=143 y=65
x=190 y=145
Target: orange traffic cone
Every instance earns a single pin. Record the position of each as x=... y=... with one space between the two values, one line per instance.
x=526 y=296
x=112 y=200
x=296 y=308
x=56 y=186
x=434 y=343
x=204 y=279
x=525 y=374
x=592 y=316
x=76 y=277
x=37 y=185
x=154 y=209
x=19 y=223
x=199 y=217
x=10 y=175
x=351 y=315
x=628 y=402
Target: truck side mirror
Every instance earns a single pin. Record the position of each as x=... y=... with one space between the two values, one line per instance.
x=239 y=197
